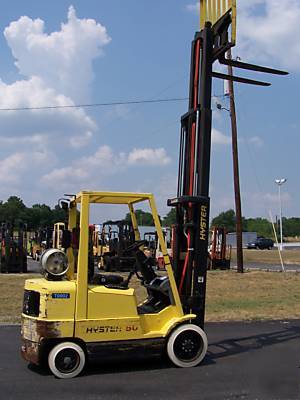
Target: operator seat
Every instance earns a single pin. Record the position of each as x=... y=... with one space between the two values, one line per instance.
x=158 y=287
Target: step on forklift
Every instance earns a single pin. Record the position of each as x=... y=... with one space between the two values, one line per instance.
x=13 y=249
x=69 y=318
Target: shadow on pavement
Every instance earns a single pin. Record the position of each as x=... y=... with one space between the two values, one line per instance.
x=217 y=350
x=229 y=347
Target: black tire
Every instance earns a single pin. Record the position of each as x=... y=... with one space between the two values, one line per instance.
x=187 y=346
x=66 y=360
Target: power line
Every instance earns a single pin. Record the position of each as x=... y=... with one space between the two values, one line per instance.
x=117 y=103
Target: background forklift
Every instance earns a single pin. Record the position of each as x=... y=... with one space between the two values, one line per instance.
x=41 y=240
x=219 y=253
x=58 y=229
x=13 y=249
x=69 y=318
x=120 y=236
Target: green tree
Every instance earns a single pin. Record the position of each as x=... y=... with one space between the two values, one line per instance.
x=225 y=219
x=59 y=214
x=291 y=226
x=262 y=226
x=170 y=218
x=143 y=218
x=13 y=211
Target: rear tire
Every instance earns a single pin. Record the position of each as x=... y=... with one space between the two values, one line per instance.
x=66 y=360
x=187 y=346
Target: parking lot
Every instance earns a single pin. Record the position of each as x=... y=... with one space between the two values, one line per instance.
x=258 y=360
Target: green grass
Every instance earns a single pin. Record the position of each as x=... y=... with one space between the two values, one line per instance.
x=252 y=295
x=11 y=296
x=231 y=296
x=268 y=256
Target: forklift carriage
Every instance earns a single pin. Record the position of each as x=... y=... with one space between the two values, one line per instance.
x=68 y=318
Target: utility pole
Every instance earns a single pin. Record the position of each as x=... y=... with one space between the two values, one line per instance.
x=236 y=179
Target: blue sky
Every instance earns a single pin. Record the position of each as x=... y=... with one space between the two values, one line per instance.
x=111 y=50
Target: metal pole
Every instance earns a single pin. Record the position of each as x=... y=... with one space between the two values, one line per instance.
x=279 y=183
x=237 y=195
x=280 y=222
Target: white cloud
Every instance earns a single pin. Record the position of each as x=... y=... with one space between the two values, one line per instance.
x=256 y=141
x=263 y=202
x=194 y=7
x=165 y=188
x=62 y=59
x=36 y=140
x=276 y=25
x=149 y=157
x=218 y=138
x=58 y=71
x=81 y=140
x=272 y=198
x=84 y=170
x=34 y=93
x=90 y=171
x=15 y=166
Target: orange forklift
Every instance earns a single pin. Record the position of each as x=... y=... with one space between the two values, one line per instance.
x=219 y=253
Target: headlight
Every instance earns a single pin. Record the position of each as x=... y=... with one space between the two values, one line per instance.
x=54 y=263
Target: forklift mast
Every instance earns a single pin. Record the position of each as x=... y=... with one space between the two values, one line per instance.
x=191 y=230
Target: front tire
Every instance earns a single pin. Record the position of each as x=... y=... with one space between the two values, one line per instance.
x=187 y=346
x=66 y=360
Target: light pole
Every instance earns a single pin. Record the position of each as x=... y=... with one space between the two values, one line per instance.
x=280 y=182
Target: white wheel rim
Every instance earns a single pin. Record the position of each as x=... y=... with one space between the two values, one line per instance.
x=175 y=336
x=71 y=355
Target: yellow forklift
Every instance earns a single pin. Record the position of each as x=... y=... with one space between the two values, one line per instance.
x=69 y=318
x=100 y=246
x=58 y=229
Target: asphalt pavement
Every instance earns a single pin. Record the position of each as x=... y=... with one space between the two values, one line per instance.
x=270 y=267
x=246 y=361
x=34 y=266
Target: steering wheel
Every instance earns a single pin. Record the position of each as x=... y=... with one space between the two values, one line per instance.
x=136 y=245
